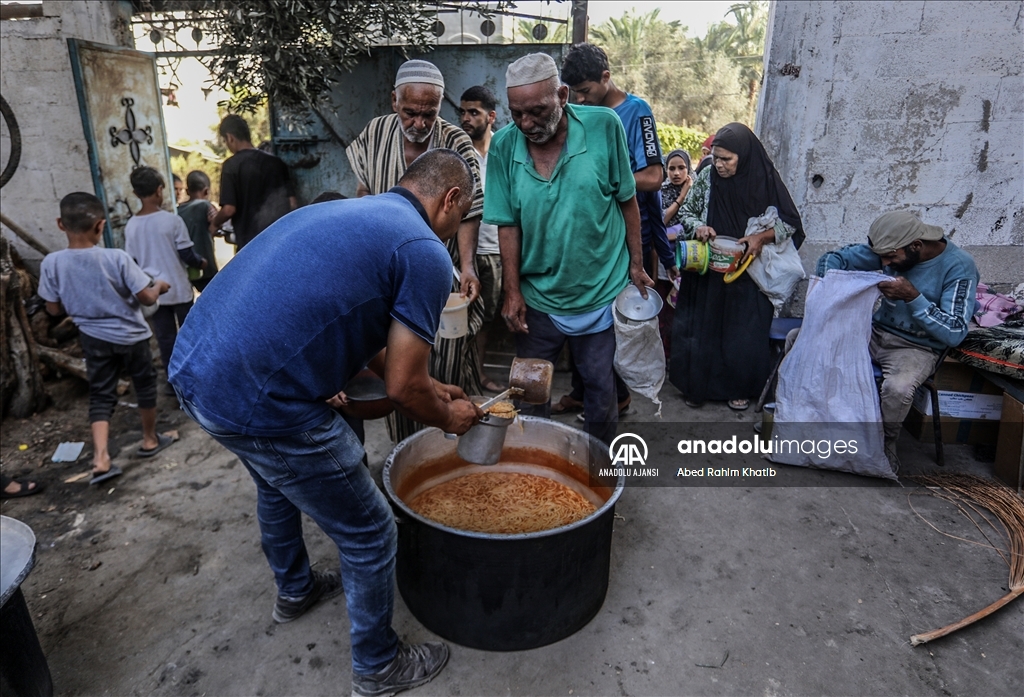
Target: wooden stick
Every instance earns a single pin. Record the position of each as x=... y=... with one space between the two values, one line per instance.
x=59 y=360
x=919 y=639
x=25 y=235
x=1008 y=508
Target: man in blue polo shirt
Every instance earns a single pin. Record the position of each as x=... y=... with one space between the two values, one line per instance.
x=561 y=191
x=316 y=297
x=585 y=71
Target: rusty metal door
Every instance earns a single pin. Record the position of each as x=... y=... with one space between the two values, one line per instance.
x=119 y=99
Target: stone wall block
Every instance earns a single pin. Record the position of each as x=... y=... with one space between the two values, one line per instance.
x=921 y=56
x=1005 y=142
x=87 y=19
x=843 y=181
x=997 y=16
x=868 y=98
x=879 y=18
x=1009 y=101
x=42 y=27
x=989 y=226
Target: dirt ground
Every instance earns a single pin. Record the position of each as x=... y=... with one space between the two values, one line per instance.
x=155 y=584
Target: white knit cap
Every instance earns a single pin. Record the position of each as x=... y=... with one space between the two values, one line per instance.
x=535 y=67
x=421 y=72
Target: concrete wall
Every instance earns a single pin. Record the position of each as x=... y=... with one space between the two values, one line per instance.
x=874 y=106
x=36 y=80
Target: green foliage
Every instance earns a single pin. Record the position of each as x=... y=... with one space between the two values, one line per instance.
x=701 y=83
x=681 y=138
x=259 y=127
x=291 y=50
x=183 y=164
x=743 y=42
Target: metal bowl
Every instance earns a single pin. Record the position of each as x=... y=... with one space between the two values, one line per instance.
x=367 y=396
x=631 y=305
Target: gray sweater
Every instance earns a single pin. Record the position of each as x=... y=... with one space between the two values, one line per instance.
x=938 y=317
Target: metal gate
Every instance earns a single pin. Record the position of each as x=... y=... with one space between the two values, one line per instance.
x=119 y=99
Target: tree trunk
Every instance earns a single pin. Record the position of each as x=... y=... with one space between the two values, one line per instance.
x=58 y=360
x=22 y=383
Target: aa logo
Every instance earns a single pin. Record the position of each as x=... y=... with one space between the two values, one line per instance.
x=628 y=450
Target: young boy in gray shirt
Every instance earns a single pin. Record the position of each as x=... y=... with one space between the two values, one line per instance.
x=158 y=241
x=101 y=290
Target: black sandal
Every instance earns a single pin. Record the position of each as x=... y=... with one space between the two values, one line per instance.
x=24 y=489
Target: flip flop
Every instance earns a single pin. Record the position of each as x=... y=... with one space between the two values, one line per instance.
x=24 y=490
x=163 y=442
x=566 y=405
x=734 y=404
x=114 y=471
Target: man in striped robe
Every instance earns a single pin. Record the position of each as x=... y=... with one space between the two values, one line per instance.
x=379 y=157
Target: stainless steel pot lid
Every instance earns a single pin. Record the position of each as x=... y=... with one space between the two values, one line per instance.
x=17 y=555
x=631 y=305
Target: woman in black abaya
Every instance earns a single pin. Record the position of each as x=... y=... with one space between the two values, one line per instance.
x=720 y=348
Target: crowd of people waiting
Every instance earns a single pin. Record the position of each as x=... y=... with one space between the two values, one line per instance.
x=544 y=222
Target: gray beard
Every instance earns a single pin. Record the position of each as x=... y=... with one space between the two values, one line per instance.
x=550 y=128
x=413 y=137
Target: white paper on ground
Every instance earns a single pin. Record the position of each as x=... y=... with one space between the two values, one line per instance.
x=67 y=452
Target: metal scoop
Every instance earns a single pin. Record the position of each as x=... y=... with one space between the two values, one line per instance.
x=510 y=392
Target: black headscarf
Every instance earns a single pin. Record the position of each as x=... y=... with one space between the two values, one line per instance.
x=748 y=193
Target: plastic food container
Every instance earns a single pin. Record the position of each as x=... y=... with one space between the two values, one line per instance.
x=454 y=318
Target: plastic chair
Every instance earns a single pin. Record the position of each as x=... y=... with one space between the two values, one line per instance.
x=781 y=327
x=928 y=384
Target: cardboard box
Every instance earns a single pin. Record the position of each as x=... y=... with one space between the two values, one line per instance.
x=969 y=407
x=960 y=405
x=1009 y=467
x=964 y=431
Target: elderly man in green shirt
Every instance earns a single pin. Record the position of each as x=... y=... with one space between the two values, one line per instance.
x=561 y=191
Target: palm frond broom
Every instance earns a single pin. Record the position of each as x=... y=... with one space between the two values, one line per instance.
x=969 y=493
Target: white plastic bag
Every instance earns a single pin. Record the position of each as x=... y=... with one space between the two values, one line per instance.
x=640 y=356
x=827 y=393
x=778 y=269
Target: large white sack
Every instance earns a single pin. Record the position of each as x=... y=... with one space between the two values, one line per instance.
x=826 y=392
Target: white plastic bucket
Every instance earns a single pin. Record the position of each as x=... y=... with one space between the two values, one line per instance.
x=454 y=318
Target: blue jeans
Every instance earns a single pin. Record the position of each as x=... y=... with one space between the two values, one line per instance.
x=320 y=473
x=593 y=355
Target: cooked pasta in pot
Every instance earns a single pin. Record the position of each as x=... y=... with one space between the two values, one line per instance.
x=502 y=503
x=503 y=410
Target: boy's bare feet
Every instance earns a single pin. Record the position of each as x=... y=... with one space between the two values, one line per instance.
x=100 y=463
x=151 y=446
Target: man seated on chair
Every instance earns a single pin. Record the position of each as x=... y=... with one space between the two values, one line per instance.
x=925 y=306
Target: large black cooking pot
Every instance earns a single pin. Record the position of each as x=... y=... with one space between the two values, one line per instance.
x=504 y=592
